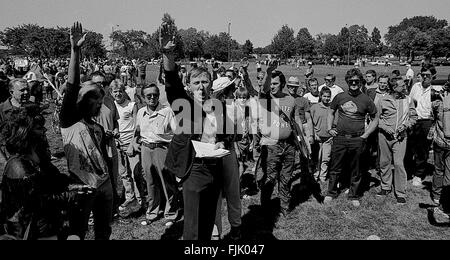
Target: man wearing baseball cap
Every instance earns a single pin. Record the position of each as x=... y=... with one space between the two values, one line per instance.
x=35 y=84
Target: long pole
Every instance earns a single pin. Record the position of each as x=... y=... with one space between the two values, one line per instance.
x=229 y=42
x=348 y=56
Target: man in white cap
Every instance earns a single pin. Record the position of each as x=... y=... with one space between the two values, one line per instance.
x=309 y=72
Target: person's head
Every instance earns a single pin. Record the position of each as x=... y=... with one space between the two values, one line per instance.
x=24 y=131
x=221 y=71
x=97 y=77
x=231 y=74
x=398 y=86
x=325 y=95
x=150 y=93
x=329 y=80
x=354 y=78
x=199 y=83
x=395 y=73
x=371 y=77
x=277 y=82
x=292 y=85
x=19 y=90
x=90 y=100
x=117 y=90
x=383 y=82
x=427 y=73
x=260 y=78
x=310 y=64
x=313 y=86
x=242 y=95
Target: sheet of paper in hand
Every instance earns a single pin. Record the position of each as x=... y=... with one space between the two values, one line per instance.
x=205 y=150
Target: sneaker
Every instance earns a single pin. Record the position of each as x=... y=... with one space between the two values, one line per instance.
x=383 y=193
x=346 y=191
x=436 y=202
x=401 y=201
x=356 y=203
x=417 y=182
x=327 y=199
x=440 y=216
x=151 y=216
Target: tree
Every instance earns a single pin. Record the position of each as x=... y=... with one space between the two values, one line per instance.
x=129 y=43
x=422 y=23
x=331 y=46
x=359 y=38
x=283 y=42
x=217 y=47
x=440 y=41
x=376 y=36
x=93 y=46
x=247 y=48
x=193 y=42
x=305 y=42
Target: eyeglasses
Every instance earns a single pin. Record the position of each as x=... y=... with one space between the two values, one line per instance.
x=353 y=81
x=328 y=80
x=260 y=78
x=426 y=75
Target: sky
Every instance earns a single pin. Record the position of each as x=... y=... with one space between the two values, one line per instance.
x=256 y=20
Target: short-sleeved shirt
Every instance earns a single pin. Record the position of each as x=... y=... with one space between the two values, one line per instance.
x=319 y=115
x=352 y=111
x=311 y=98
x=156 y=126
x=277 y=129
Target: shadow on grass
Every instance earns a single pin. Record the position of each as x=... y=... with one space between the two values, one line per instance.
x=258 y=223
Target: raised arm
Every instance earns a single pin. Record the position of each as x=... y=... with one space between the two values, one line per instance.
x=173 y=83
x=268 y=78
x=69 y=115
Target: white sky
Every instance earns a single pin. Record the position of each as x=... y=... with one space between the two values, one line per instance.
x=257 y=20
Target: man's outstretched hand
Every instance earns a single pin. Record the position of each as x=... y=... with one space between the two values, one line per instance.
x=77 y=37
x=167 y=37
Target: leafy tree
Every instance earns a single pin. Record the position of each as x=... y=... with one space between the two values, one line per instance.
x=283 y=42
x=247 y=48
x=93 y=46
x=305 y=42
x=193 y=42
x=331 y=46
x=217 y=47
x=422 y=23
x=440 y=40
x=376 y=36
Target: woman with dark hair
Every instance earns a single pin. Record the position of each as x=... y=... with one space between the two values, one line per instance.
x=35 y=195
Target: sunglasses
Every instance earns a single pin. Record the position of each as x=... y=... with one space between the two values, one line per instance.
x=152 y=95
x=425 y=75
x=260 y=78
x=328 y=80
x=354 y=81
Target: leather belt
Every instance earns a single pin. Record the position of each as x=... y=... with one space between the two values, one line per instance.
x=155 y=145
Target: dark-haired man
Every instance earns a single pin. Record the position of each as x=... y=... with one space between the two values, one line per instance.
x=350 y=136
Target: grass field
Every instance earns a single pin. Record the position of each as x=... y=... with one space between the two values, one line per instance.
x=310 y=220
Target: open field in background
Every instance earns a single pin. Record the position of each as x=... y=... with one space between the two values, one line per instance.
x=310 y=219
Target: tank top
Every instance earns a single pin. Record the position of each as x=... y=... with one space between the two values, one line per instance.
x=127 y=123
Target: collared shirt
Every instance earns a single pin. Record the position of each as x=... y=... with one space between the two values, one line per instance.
x=422 y=98
x=156 y=126
x=335 y=89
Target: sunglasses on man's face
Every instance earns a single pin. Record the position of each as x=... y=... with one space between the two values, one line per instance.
x=354 y=81
x=260 y=78
x=328 y=80
x=426 y=75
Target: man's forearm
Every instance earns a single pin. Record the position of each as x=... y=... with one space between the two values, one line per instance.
x=74 y=66
x=372 y=126
x=169 y=61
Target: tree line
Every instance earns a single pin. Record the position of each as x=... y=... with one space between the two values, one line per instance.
x=419 y=35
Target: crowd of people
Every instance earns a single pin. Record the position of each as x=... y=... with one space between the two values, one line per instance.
x=133 y=147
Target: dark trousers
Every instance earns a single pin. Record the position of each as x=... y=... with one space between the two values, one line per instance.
x=418 y=148
x=200 y=194
x=346 y=153
x=101 y=204
x=280 y=167
x=441 y=176
x=230 y=191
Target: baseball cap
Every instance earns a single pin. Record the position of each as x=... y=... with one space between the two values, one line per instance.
x=32 y=76
x=293 y=81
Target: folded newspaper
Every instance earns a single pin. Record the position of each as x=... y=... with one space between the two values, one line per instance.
x=205 y=150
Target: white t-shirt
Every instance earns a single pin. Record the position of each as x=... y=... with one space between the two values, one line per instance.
x=127 y=123
x=423 y=98
x=312 y=99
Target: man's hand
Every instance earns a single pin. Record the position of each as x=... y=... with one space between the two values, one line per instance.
x=219 y=145
x=77 y=37
x=333 y=132
x=167 y=37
